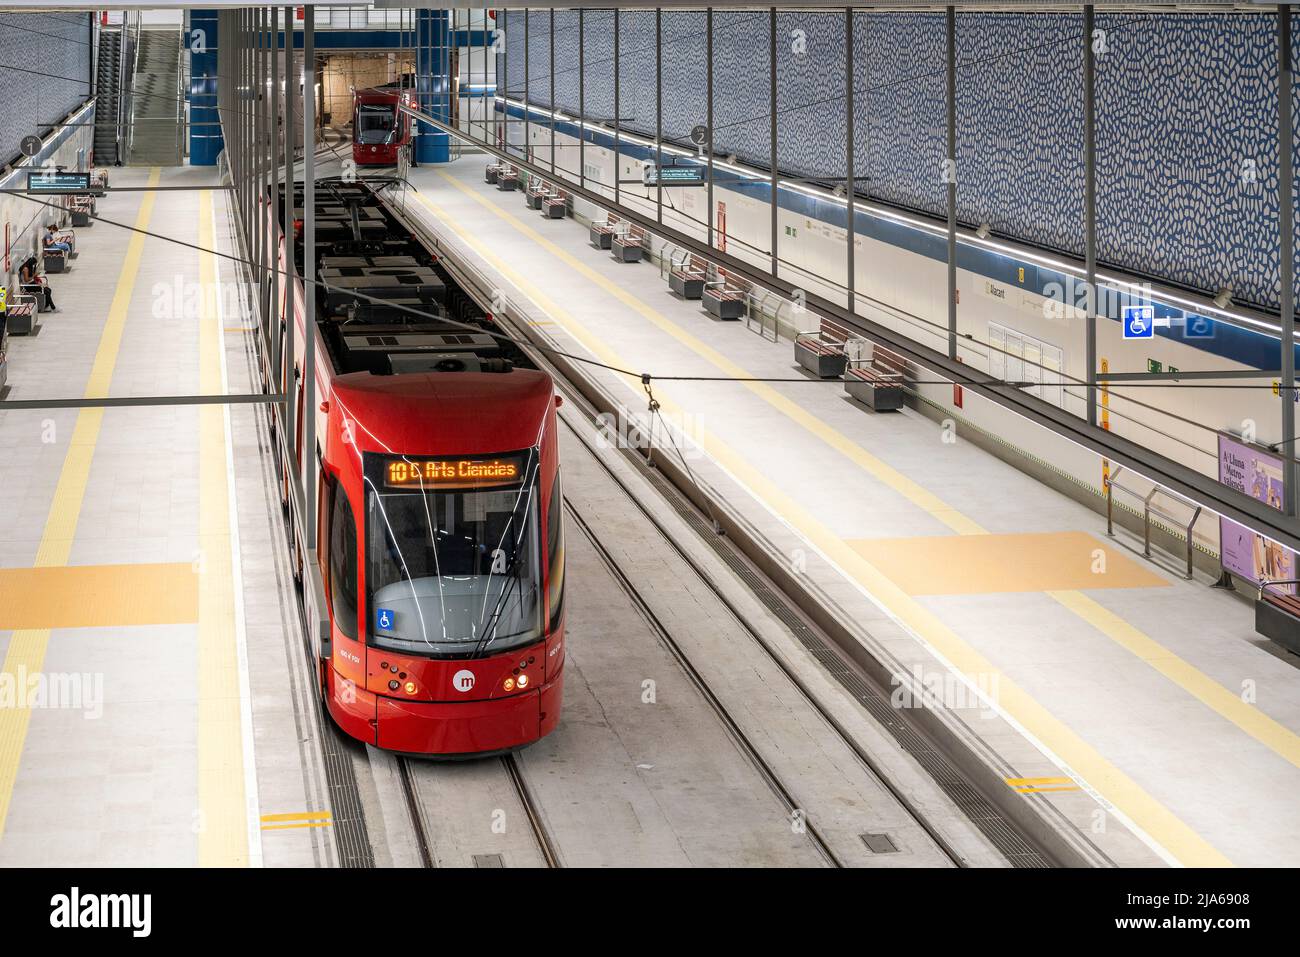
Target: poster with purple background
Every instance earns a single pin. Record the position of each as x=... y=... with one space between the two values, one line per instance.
x=1258 y=474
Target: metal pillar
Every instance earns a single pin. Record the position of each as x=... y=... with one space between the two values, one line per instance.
x=1090 y=210
x=708 y=112
x=309 y=274
x=776 y=205
x=851 y=178
x=290 y=295
x=618 y=152
x=273 y=111
x=528 y=112
x=433 y=84
x=256 y=88
x=950 y=173
x=582 y=99
x=1286 y=249
x=552 y=89
x=659 y=114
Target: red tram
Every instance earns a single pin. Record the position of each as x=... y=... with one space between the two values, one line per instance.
x=379 y=129
x=440 y=538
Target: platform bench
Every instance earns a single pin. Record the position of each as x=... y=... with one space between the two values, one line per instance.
x=535 y=196
x=627 y=248
x=879 y=391
x=491 y=173
x=21 y=316
x=826 y=360
x=555 y=207
x=687 y=283
x=1277 y=616
x=81 y=208
x=725 y=303
x=602 y=235
x=508 y=179
x=54 y=260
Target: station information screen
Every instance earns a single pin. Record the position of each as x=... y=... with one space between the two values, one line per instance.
x=60 y=183
x=489 y=472
x=673 y=176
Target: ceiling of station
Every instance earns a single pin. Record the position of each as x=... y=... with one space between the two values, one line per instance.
x=1250 y=6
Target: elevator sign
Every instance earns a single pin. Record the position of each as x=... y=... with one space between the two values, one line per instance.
x=1139 y=322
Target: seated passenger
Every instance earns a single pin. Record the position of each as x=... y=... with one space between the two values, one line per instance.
x=31 y=283
x=52 y=240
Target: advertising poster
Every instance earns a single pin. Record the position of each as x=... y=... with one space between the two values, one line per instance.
x=1259 y=474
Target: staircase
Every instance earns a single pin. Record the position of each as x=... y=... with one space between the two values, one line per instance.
x=108 y=98
x=157 y=116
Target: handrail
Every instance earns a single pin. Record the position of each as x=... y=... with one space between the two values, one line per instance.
x=1268 y=583
x=1148 y=510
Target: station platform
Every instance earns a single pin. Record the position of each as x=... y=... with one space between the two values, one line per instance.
x=154 y=709
x=1139 y=709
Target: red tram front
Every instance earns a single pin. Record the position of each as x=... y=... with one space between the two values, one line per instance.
x=440 y=538
x=379 y=129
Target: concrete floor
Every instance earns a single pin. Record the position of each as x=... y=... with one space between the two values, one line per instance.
x=182 y=736
x=1137 y=703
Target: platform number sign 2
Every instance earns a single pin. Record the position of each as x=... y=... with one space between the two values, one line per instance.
x=1139 y=322
x=384 y=618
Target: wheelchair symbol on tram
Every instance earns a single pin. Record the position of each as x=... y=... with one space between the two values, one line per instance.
x=384 y=618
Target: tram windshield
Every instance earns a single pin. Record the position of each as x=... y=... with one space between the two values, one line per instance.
x=454 y=570
x=376 y=123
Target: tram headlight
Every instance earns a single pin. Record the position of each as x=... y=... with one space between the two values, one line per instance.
x=523 y=681
x=509 y=684
x=409 y=687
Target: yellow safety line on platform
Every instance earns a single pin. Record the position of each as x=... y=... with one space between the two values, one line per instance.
x=296 y=816
x=26 y=652
x=1125 y=794
x=223 y=833
x=296 y=820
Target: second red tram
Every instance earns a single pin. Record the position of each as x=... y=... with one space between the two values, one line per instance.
x=440 y=538
x=379 y=129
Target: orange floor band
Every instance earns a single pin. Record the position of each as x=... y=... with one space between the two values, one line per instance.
x=979 y=564
x=97 y=596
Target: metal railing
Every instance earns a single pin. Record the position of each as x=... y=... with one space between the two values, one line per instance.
x=1149 y=508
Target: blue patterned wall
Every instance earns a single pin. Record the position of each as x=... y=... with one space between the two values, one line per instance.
x=45 y=72
x=1184 y=104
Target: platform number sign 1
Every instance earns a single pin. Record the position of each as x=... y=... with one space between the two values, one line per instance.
x=384 y=618
x=1139 y=322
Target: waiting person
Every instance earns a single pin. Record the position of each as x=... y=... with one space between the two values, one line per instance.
x=31 y=283
x=52 y=240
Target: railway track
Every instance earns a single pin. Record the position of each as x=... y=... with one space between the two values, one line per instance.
x=546 y=846
x=733 y=729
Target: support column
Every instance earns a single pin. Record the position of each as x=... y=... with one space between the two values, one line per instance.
x=582 y=99
x=659 y=114
x=618 y=113
x=1090 y=210
x=708 y=112
x=309 y=274
x=851 y=176
x=273 y=168
x=433 y=84
x=206 y=140
x=775 y=197
x=290 y=136
x=950 y=173
x=256 y=91
x=1286 y=249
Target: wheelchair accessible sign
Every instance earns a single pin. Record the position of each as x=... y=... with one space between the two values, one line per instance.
x=1139 y=322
